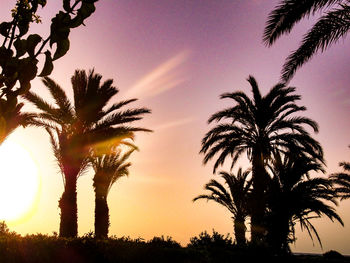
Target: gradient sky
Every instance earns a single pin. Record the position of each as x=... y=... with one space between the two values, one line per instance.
x=177 y=57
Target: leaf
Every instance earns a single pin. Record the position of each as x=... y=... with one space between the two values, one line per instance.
x=66 y=6
x=4 y=28
x=48 y=66
x=42 y=2
x=27 y=69
x=59 y=27
x=76 y=21
x=25 y=87
x=86 y=9
x=32 y=41
x=62 y=48
x=21 y=47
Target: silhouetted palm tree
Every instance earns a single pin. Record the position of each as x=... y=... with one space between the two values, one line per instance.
x=75 y=129
x=235 y=199
x=333 y=25
x=12 y=118
x=108 y=168
x=256 y=127
x=293 y=196
x=342 y=180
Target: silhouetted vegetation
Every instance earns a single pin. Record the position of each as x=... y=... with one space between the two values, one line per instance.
x=282 y=154
x=205 y=248
x=20 y=52
x=342 y=180
x=294 y=197
x=333 y=25
x=235 y=199
x=77 y=129
x=259 y=127
x=108 y=167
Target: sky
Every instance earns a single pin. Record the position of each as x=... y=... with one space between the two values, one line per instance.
x=177 y=57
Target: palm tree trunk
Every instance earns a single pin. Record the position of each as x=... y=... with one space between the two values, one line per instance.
x=240 y=229
x=68 y=206
x=101 y=215
x=258 y=202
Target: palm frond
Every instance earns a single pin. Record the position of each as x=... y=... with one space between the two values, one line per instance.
x=327 y=31
x=285 y=15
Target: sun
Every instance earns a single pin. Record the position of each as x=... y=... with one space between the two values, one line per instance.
x=19 y=182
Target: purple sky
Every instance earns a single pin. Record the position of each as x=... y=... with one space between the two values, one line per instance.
x=177 y=57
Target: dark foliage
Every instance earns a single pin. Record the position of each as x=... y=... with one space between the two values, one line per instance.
x=42 y=248
x=20 y=50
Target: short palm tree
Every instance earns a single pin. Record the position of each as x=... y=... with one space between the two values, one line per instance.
x=235 y=198
x=75 y=129
x=333 y=25
x=258 y=126
x=293 y=196
x=108 y=168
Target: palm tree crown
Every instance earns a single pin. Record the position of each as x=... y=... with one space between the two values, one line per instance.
x=333 y=25
x=76 y=128
x=235 y=198
x=257 y=127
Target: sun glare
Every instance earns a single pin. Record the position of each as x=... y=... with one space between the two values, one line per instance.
x=19 y=182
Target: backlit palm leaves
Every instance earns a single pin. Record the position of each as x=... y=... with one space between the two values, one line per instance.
x=294 y=196
x=12 y=118
x=76 y=128
x=333 y=25
x=257 y=127
x=234 y=197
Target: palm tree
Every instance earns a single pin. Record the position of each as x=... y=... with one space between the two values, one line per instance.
x=108 y=168
x=75 y=129
x=235 y=199
x=256 y=127
x=293 y=196
x=333 y=25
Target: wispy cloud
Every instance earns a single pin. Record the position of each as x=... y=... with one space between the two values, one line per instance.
x=174 y=123
x=166 y=76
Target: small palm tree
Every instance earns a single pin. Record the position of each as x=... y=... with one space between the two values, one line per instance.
x=75 y=129
x=293 y=196
x=235 y=199
x=256 y=127
x=333 y=25
x=108 y=168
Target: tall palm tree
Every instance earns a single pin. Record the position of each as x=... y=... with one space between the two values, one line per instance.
x=75 y=129
x=256 y=127
x=293 y=196
x=333 y=25
x=235 y=199
x=108 y=167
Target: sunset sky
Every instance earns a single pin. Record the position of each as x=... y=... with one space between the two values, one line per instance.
x=177 y=57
